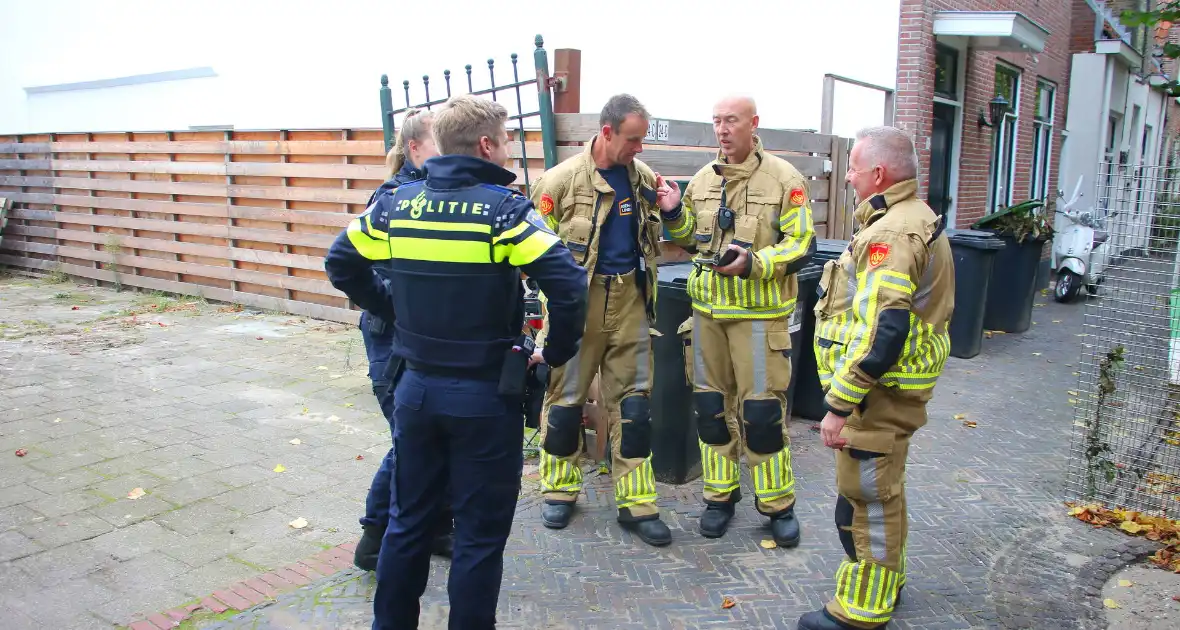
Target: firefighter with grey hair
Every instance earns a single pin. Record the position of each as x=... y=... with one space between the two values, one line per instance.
x=881 y=341
x=605 y=205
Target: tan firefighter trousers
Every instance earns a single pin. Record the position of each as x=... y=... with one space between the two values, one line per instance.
x=617 y=341
x=870 y=507
x=740 y=370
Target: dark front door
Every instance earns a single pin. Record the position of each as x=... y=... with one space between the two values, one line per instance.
x=942 y=140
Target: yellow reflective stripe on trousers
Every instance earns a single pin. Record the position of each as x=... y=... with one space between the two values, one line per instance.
x=558 y=475
x=720 y=474
x=636 y=487
x=867 y=592
x=773 y=478
x=367 y=246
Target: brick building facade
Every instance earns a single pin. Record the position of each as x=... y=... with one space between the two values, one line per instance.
x=952 y=145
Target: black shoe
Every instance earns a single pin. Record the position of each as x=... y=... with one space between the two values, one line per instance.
x=715 y=519
x=822 y=620
x=369 y=547
x=785 y=528
x=652 y=531
x=556 y=515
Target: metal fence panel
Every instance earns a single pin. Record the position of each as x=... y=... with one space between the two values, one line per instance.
x=1126 y=434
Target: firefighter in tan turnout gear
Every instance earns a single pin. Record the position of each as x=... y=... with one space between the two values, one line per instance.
x=604 y=205
x=752 y=206
x=881 y=342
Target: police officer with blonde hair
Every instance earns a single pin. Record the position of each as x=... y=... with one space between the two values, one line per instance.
x=881 y=341
x=747 y=215
x=458 y=239
x=604 y=204
x=413 y=145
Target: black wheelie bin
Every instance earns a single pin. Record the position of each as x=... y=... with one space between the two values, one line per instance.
x=675 y=453
x=807 y=400
x=974 y=253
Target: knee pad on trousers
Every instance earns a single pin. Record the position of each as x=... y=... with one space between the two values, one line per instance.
x=844 y=519
x=764 y=425
x=563 y=431
x=635 y=441
x=711 y=426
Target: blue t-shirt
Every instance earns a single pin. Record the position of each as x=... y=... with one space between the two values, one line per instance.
x=617 y=244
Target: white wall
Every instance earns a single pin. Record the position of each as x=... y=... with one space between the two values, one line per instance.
x=309 y=64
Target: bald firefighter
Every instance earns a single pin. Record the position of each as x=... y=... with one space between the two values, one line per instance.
x=747 y=215
x=881 y=342
x=604 y=204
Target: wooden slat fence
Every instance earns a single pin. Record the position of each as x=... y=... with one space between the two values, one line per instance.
x=247 y=216
x=235 y=216
x=677 y=149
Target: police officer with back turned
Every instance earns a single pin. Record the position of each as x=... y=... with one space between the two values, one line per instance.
x=456 y=245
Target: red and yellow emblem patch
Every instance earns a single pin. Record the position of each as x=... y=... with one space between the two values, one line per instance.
x=546 y=205
x=797 y=197
x=878 y=252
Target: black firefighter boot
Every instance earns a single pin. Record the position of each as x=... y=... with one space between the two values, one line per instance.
x=822 y=620
x=785 y=528
x=369 y=547
x=715 y=519
x=650 y=529
x=556 y=514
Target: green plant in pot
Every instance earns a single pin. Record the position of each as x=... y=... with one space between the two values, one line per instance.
x=1023 y=220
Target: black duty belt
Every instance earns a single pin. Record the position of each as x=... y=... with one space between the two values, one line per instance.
x=478 y=374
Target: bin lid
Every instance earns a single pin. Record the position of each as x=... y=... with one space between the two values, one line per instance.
x=674 y=273
x=975 y=239
x=810 y=272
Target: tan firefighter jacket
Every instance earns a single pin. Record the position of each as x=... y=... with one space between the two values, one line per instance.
x=772 y=220
x=885 y=305
x=574 y=198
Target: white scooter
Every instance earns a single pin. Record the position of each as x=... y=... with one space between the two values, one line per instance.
x=1079 y=249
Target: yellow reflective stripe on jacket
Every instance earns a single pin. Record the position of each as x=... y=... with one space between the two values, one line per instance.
x=525 y=250
x=798 y=227
x=870 y=284
x=682 y=227
x=373 y=245
x=736 y=297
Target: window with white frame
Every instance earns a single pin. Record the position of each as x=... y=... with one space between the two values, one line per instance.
x=1042 y=139
x=1003 y=166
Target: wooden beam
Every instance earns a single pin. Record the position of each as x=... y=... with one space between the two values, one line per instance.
x=582 y=127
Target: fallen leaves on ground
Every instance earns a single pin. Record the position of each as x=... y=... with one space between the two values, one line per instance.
x=1110 y=603
x=296 y=442
x=135 y=494
x=298 y=523
x=1154 y=528
x=359 y=457
x=728 y=602
x=960 y=416
x=20 y=452
x=970 y=424
x=280 y=468
x=349 y=405
x=768 y=544
x=1126 y=583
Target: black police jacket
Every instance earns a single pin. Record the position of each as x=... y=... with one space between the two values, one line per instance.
x=456 y=243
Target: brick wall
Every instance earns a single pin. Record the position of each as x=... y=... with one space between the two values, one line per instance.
x=1082 y=23
x=915 y=87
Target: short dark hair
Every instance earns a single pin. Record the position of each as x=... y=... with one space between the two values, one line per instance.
x=617 y=108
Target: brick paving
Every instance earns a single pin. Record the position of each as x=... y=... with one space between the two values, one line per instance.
x=199 y=411
x=990 y=545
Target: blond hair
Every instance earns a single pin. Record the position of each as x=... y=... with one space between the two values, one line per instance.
x=465 y=119
x=415 y=126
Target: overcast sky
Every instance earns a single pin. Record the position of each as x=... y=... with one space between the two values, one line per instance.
x=305 y=63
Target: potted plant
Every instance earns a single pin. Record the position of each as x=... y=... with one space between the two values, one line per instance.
x=1024 y=228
